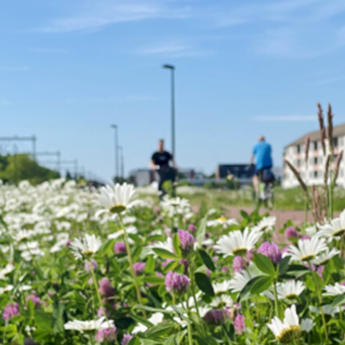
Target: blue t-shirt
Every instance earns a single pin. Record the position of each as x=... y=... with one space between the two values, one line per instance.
x=262 y=152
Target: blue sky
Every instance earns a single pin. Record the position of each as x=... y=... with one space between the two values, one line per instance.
x=69 y=69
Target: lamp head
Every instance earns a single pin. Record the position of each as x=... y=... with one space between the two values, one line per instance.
x=169 y=67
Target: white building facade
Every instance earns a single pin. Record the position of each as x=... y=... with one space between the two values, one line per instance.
x=312 y=171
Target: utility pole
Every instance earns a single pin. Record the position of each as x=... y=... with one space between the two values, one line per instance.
x=16 y=138
x=172 y=69
x=116 y=151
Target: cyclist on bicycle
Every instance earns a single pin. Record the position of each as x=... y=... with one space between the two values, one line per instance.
x=160 y=162
x=263 y=160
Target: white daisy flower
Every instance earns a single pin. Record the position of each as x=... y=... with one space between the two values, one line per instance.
x=167 y=245
x=223 y=221
x=307 y=250
x=155 y=319
x=325 y=257
x=239 y=281
x=327 y=309
x=220 y=288
x=266 y=224
x=6 y=271
x=290 y=289
x=5 y=289
x=116 y=199
x=334 y=229
x=237 y=242
x=311 y=231
x=129 y=220
x=222 y=301
x=86 y=247
x=28 y=255
x=334 y=290
x=307 y=325
x=130 y=230
x=289 y=329
x=87 y=326
x=22 y=235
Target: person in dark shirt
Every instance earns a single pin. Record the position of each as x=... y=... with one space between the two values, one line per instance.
x=160 y=162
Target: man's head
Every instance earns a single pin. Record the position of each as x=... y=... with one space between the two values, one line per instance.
x=161 y=145
x=261 y=138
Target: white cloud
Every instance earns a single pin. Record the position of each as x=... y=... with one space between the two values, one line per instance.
x=291 y=118
x=96 y=15
x=173 y=50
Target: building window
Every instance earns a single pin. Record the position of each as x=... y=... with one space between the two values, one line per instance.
x=298 y=149
x=335 y=142
x=335 y=158
x=315 y=160
x=315 y=174
x=298 y=162
x=341 y=141
x=315 y=145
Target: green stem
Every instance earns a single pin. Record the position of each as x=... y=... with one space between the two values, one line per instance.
x=190 y=340
x=306 y=212
x=92 y=340
x=193 y=289
x=100 y=300
x=255 y=299
x=131 y=266
x=320 y=302
x=276 y=306
x=331 y=186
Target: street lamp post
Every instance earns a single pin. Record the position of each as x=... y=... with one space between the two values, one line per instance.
x=122 y=163
x=116 y=151
x=172 y=69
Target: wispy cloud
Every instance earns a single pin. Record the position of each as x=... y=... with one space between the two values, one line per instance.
x=105 y=12
x=173 y=50
x=292 y=118
x=14 y=68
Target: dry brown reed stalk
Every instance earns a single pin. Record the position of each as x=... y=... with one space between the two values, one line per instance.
x=325 y=176
x=322 y=128
x=330 y=128
x=302 y=184
x=337 y=165
x=306 y=152
x=319 y=204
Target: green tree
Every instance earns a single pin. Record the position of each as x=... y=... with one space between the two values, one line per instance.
x=15 y=168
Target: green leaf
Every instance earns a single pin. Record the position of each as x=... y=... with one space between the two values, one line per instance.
x=284 y=265
x=204 y=284
x=43 y=322
x=201 y=231
x=134 y=341
x=170 y=266
x=244 y=294
x=245 y=215
x=163 y=328
x=170 y=340
x=208 y=340
x=264 y=264
x=150 y=264
x=31 y=308
x=177 y=245
x=207 y=260
x=297 y=270
x=153 y=310
x=261 y=285
x=153 y=280
x=165 y=254
x=339 y=300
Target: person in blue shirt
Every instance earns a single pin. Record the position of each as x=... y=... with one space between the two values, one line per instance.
x=263 y=160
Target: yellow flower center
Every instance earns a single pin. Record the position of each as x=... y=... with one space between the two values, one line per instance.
x=339 y=232
x=308 y=257
x=291 y=296
x=88 y=253
x=287 y=336
x=222 y=219
x=117 y=208
x=240 y=251
x=120 y=230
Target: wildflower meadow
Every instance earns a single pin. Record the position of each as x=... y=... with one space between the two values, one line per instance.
x=89 y=266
